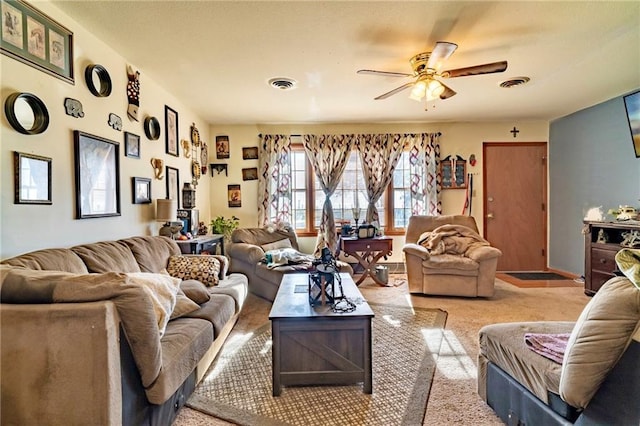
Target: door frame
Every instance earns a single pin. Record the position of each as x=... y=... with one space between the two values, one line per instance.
x=545 y=191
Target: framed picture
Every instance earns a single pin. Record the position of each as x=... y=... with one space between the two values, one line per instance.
x=32 y=179
x=632 y=106
x=97 y=173
x=171 y=131
x=31 y=37
x=234 y=195
x=250 y=173
x=173 y=184
x=141 y=190
x=131 y=145
x=250 y=153
x=222 y=147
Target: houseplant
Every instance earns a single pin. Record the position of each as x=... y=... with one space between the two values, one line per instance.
x=221 y=225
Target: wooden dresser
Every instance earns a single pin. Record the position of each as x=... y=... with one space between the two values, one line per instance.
x=601 y=243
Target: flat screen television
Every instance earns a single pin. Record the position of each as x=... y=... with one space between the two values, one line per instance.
x=632 y=105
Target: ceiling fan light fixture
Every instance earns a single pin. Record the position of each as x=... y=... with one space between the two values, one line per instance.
x=434 y=90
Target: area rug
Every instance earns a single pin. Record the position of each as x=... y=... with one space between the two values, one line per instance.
x=537 y=276
x=406 y=343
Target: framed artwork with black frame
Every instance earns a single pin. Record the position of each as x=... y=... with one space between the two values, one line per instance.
x=32 y=179
x=250 y=153
x=234 y=196
x=171 y=131
x=141 y=190
x=33 y=38
x=173 y=184
x=222 y=147
x=97 y=175
x=250 y=173
x=632 y=106
x=131 y=145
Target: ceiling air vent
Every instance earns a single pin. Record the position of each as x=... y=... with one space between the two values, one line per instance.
x=516 y=81
x=283 y=83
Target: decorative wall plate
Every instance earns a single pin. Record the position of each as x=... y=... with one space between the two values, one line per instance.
x=152 y=128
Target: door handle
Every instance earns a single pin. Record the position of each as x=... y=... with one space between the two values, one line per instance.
x=489 y=215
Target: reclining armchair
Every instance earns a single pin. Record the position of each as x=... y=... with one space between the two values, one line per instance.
x=248 y=255
x=445 y=255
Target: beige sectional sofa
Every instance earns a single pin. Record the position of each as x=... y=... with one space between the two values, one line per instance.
x=598 y=382
x=101 y=334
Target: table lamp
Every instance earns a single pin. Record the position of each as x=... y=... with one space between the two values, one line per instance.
x=166 y=211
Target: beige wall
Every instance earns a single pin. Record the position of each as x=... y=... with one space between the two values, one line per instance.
x=28 y=227
x=461 y=139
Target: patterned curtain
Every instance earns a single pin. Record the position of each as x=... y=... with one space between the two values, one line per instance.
x=328 y=155
x=274 y=180
x=425 y=179
x=379 y=155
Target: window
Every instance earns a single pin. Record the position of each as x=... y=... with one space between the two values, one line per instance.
x=393 y=207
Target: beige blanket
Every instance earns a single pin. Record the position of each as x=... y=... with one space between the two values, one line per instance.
x=451 y=239
x=141 y=314
x=628 y=261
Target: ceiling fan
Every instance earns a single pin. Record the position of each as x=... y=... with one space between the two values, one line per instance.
x=426 y=71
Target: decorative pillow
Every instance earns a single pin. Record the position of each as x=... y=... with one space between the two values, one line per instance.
x=224 y=265
x=195 y=291
x=184 y=306
x=205 y=269
x=280 y=244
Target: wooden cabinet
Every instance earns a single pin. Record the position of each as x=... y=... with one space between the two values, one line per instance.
x=602 y=240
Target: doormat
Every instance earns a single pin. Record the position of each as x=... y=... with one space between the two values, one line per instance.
x=537 y=276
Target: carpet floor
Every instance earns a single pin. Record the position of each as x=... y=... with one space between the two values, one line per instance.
x=453 y=399
x=406 y=343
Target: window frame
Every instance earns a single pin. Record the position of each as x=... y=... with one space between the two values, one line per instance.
x=310 y=230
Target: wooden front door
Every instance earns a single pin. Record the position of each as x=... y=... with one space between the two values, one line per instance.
x=515 y=202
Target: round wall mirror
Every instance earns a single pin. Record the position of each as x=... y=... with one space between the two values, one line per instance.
x=26 y=113
x=98 y=80
x=152 y=128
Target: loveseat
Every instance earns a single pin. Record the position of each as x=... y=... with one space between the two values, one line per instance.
x=446 y=256
x=247 y=252
x=595 y=378
x=102 y=334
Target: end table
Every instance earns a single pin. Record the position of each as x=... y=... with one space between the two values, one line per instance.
x=367 y=251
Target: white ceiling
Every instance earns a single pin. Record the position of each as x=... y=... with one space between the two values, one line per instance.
x=218 y=56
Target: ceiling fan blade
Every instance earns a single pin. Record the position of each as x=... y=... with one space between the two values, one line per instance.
x=396 y=90
x=476 y=70
x=441 y=53
x=448 y=92
x=386 y=73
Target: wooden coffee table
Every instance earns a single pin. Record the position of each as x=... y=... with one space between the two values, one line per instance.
x=316 y=346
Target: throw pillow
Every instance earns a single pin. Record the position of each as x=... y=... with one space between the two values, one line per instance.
x=195 y=291
x=184 y=306
x=205 y=269
x=280 y=244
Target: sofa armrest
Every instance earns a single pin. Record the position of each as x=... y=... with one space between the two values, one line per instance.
x=65 y=357
x=483 y=253
x=248 y=253
x=416 y=250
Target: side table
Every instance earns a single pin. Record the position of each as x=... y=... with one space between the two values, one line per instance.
x=367 y=251
x=207 y=244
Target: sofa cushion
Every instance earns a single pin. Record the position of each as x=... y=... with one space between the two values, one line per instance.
x=218 y=311
x=448 y=263
x=205 y=269
x=152 y=252
x=504 y=345
x=195 y=291
x=260 y=236
x=107 y=256
x=184 y=343
x=280 y=244
x=601 y=335
x=54 y=259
